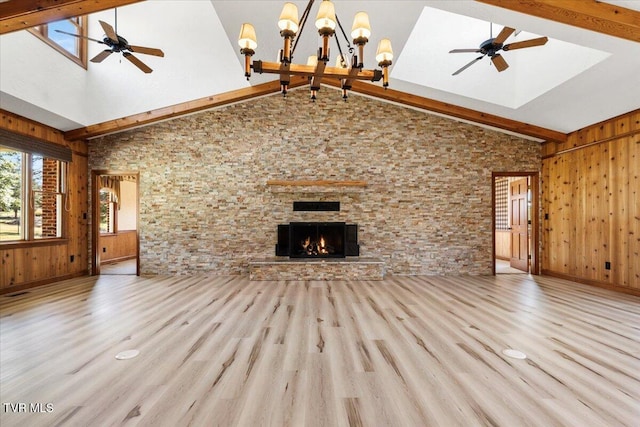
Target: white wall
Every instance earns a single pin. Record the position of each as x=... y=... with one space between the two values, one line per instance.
x=128 y=206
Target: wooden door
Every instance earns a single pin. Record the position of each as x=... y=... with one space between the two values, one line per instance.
x=518 y=190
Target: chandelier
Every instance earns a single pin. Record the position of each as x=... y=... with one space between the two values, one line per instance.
x=327 y=22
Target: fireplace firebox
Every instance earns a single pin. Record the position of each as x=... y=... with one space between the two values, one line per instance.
x=317 y=240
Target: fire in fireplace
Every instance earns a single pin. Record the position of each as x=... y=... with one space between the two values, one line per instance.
x=317 y=240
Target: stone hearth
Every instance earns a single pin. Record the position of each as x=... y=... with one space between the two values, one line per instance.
x=317 y=269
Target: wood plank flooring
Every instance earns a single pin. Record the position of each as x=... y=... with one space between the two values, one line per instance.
x=405 y=351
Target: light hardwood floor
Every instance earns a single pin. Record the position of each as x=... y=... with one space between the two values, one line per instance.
x=127 y=267
x=405 y=351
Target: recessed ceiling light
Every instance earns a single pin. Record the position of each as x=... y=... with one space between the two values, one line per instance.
x=127 y=354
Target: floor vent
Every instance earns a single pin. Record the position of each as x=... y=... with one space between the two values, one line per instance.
x=17 y=294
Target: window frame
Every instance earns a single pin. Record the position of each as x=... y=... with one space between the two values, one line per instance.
x=27 y=199
x=42 y=32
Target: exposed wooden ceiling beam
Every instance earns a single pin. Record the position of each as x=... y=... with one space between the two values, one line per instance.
x=18 y=15
x=591 y=15
x=455 y=111
x=171 y=111
x=398 y=97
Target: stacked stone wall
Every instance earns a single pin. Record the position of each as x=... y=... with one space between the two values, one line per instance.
x=205 y=205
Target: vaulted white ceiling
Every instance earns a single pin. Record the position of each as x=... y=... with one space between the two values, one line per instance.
x=578 y=78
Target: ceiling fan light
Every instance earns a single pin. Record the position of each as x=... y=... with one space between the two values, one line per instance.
x=247 y=38
x=312 y=60
x=289 y=18
x=384 y=54
x=326 y=18
x=361 y=27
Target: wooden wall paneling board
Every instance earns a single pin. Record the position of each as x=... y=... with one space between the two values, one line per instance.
x=599 y=215
x=618 y=211
x=603 y=131
x=603 y=246
x=78 y=223
x=552 y=208
x=590 y=188
x=634 y=211
x=22 y=274
x=545 y=203
x=622 y=125
x=569 y=219
x=548 y=148
x=7 y=268
x=121 y=245
x=634 y=121
x=502 y=244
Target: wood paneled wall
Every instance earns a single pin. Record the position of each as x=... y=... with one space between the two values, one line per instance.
x=119 y=246
x=503 y=244
x=35 y=263
x=591 y=205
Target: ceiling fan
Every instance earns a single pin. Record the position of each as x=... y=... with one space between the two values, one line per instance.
x=492 y=46
x=117 y=43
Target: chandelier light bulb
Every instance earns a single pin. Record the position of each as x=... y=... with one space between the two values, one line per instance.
x=384 y=54
x=326 y=18
x=312 y=60
x=361 y=28
x=289 y=18
x=247 y=38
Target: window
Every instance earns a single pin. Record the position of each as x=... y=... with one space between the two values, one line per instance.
x=32 y=189
x=107 y=212
x=74 y=48
x=11 y=187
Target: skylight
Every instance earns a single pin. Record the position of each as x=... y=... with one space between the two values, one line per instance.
x=532 y=71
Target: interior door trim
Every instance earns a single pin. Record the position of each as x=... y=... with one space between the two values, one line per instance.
x=95 y=213
x=534 y=180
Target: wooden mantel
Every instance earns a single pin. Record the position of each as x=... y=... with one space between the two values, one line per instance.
x=316 y=183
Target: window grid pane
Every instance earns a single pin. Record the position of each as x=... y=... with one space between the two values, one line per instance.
x=11 y=192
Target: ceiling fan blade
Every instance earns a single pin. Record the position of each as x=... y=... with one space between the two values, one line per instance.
x=465 y=50
x=504 y=34
x=109 y=31
x=101 y=56
x=146 y=50
x=79 y=36
x=499 y=62
x=526 y=43
x=468 y=65
x=135 y=61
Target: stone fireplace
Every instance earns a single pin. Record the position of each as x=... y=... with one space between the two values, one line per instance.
x=317 y=240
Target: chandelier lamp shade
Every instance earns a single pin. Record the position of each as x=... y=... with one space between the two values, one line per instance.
x=317 y=67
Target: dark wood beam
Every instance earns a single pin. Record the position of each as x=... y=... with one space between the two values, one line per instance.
x=200 y=104
x=454 y=111
x=591 y=15
x=18 y=15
